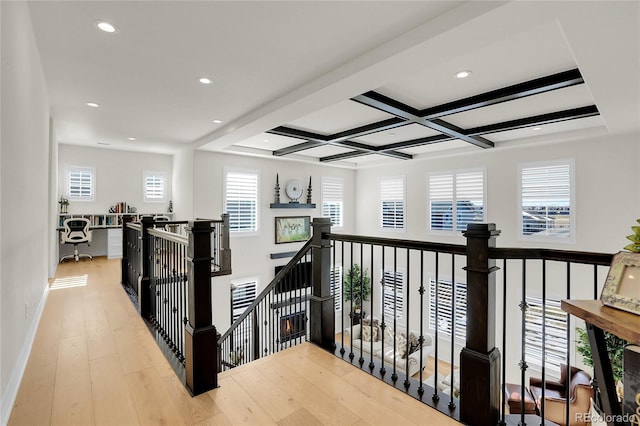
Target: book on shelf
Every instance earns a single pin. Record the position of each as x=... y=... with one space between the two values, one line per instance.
x=631 y=381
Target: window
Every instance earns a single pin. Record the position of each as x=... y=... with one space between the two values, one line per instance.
x=153 y=187
x=336 y=287
x=546 y=198
x=392 y=203
x=444 y=291
x=332 y=189
x=393 y=294
x=81 y=183
x=555 y=345
x=456 y=200
x=241 y=201
x=243 y=293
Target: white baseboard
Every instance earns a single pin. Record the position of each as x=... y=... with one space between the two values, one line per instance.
x=11 y=392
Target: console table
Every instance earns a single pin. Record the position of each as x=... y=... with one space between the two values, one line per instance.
x=600 y=318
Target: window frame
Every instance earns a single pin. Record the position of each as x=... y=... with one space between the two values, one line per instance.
x=147 y=174
x=571 y=238
x=382 y=200
x=242 y=232
x=81 y=169
x=455 y=174
x=326 y=180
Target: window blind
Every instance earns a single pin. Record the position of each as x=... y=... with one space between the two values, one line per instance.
x=243 y=293
x=336 y=286
x=456 y=199
x=444 y=315
x=81 y=184
x=392 y=203
x=393 y=298
x=546 y=199
x=332 y=195
x=154 y=187
x=555 y=332
x=241 y=201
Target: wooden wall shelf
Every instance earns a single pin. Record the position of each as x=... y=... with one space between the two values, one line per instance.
x=292 y=206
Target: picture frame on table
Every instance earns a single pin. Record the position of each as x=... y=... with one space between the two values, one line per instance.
x=622 y=287
x=292 y=229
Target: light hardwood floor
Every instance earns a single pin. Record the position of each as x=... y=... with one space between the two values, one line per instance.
x=94 y=362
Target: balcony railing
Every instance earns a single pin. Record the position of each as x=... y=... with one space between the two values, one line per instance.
x=456 y=323
x=166 y=269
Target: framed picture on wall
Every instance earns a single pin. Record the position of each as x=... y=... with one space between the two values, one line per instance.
x=292 y=229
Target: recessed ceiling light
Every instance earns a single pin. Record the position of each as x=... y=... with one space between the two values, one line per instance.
x=217 y=121
x=132 y=139
x=205 y=80
x=266 y=140
x=537 y=128
x=92 y=104
x=463 y=74
x=106 y=27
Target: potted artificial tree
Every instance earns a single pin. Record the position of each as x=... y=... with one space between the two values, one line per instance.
x=357 y=288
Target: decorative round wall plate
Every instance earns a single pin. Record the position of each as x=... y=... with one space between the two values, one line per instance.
x=293 y=189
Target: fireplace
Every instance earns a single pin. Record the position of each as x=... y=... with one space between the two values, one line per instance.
x=292 y=326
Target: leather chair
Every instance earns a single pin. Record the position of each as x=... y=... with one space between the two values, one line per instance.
x=555 y=396
x=76 y=231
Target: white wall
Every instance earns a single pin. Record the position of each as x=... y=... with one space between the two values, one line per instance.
x=53 y=201
x=24 y=206
x=250 y=254
x=118 y=177
x=183 y=184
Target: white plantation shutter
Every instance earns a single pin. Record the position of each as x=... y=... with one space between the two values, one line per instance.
x=243 y=293
x=456 y=199
x=332 y=189
x=81 y=183
x=546 y=193
x=440 y=201
x=241 y=201
x=393 y=299
x=555 y=349
x=153 y=186
x=445 y=304
x=392 y=203
x=336 y=286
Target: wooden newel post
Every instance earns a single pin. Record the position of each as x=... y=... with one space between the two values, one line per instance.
x=480 y=359
x=145 y=292
x=201 y=349
x=321 y=305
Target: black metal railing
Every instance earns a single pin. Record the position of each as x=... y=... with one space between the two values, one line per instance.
x=448 y=324
x=169 y=286
x=551 y=275
x=167 y=268
x=276 y=320
x=390 y=335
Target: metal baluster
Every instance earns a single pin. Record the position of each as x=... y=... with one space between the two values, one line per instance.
x=421 y=292
x=394 y=375
x=372 y=365
x=408 y=304
x=383 y=326
x=361 y=298
x=452 y=404
x=523 y=362
x=544 y=339
x=435 y=397
x=504 y=340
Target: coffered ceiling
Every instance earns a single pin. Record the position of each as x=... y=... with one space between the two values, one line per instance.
x=343 y=83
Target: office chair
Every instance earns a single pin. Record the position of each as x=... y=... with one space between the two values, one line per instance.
x=76 y=231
